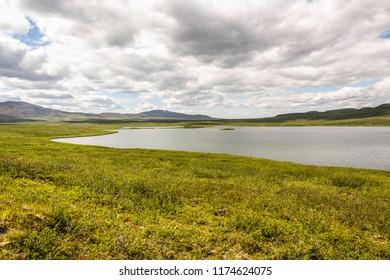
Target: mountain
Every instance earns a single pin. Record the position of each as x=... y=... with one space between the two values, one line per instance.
x=331 y=115
x=11 y=111
x=5 y=118
x=341 y=114
x=163 y=114
x=24 y=110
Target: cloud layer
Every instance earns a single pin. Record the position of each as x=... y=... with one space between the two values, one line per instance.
x=224 y=58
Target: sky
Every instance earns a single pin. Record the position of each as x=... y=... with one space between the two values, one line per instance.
x=223 y=58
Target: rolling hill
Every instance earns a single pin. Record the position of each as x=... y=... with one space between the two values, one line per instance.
x=11 y=111
x=331 y=115
x=22 y=110
x=172 y=115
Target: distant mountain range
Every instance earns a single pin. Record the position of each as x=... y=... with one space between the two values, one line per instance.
x=12 y=111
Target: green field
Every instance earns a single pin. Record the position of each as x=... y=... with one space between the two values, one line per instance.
x=63 y=201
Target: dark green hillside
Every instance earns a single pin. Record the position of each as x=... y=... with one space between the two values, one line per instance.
x=332 y=115
x=340 y=114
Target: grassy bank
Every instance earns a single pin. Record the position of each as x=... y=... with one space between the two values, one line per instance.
x=371 y=121
x=63 y=201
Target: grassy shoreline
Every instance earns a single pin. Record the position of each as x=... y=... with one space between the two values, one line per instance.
x=64 y=201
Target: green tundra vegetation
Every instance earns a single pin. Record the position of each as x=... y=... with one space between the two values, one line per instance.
x=64 y=201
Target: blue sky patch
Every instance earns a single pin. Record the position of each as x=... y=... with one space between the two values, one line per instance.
x=315 y=89
x=386 y=35
x=367 y=83
x=33 y=38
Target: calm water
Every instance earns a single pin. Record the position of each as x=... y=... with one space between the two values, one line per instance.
x=363 y=147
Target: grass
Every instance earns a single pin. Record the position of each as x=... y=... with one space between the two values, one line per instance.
x=63 y=201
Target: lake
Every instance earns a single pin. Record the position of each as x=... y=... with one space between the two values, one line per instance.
x=361 y=147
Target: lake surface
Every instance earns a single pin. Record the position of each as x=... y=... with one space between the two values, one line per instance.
x=362 y=147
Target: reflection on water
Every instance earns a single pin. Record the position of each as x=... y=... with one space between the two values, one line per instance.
x=363 y=147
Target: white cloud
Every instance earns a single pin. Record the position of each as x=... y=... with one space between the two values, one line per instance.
x=383 y=84
x=143 y=107
x=11 y=20
x=12 y=53
x=251 y=56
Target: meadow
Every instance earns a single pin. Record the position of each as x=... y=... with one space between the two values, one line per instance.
x=64 y=201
